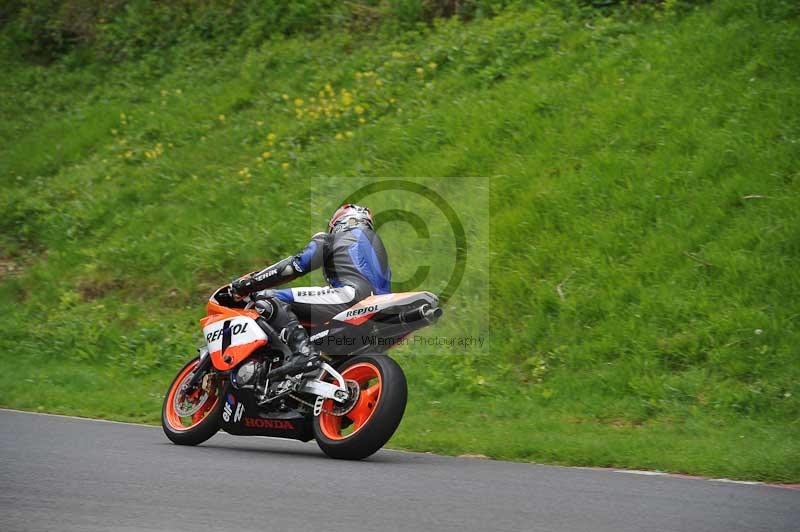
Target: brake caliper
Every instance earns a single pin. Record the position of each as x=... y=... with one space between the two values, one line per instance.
x=206 y=385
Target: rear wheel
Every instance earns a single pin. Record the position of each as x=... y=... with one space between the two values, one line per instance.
x=376 y=414
x=190 y=415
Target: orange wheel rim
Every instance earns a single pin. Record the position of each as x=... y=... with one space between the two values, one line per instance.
x=369 y=381
x=178 y=422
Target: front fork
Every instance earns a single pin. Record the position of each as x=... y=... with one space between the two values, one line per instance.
x=202 y=368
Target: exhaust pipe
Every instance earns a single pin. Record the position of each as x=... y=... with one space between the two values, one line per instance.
x=424 y=313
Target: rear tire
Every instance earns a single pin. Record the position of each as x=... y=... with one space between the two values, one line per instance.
x=199 y=431
x=380 y=411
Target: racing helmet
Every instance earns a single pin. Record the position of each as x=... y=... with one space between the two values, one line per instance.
x=350 y=215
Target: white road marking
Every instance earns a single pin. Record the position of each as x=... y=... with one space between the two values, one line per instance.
x=78 y=418
x=640 y=472
x=745 y=482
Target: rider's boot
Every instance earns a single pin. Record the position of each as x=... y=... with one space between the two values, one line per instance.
x=305 y=356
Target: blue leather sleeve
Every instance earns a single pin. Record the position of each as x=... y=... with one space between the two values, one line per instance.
x=367 y=263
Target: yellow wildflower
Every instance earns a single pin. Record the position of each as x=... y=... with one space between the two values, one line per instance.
x=271 y=138
x=298 y=102
x=347 y=98
x=362 y=121
x=420 y=71
x=338 y=136
x=285 y=166
x=397 y=55
x=432 y=65
x=359 y=110
x=285 y=96
x=349 y=133
x=221 y=118
x=266 y=154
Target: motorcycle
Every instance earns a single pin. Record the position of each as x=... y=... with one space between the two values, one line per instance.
x=351 y=404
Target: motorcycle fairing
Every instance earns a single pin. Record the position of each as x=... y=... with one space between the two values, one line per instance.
x=367 y=308
x=371 y=326
x=241 y=416
x=231 y=335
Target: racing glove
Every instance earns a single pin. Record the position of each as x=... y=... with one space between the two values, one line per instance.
x=243 y=286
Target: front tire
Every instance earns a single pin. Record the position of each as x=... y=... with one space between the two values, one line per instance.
x=190 y=417
x=376 y=415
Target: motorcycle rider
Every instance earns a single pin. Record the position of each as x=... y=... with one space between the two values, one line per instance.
x=355 y=266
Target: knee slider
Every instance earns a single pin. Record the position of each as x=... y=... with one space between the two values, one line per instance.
x=265 y=308
x=273 y=310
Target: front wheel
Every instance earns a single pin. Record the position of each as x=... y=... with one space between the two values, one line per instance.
x=373 y=419
x=190 y=416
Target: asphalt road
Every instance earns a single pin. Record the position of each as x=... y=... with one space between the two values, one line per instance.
x=64 y=474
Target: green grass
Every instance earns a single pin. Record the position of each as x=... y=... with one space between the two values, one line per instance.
x=634 y=222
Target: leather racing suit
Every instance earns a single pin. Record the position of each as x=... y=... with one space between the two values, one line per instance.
x=355 y=266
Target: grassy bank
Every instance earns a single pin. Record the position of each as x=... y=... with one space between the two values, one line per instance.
x=633 y=219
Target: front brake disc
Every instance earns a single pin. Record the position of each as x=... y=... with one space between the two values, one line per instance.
x=185 y=407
